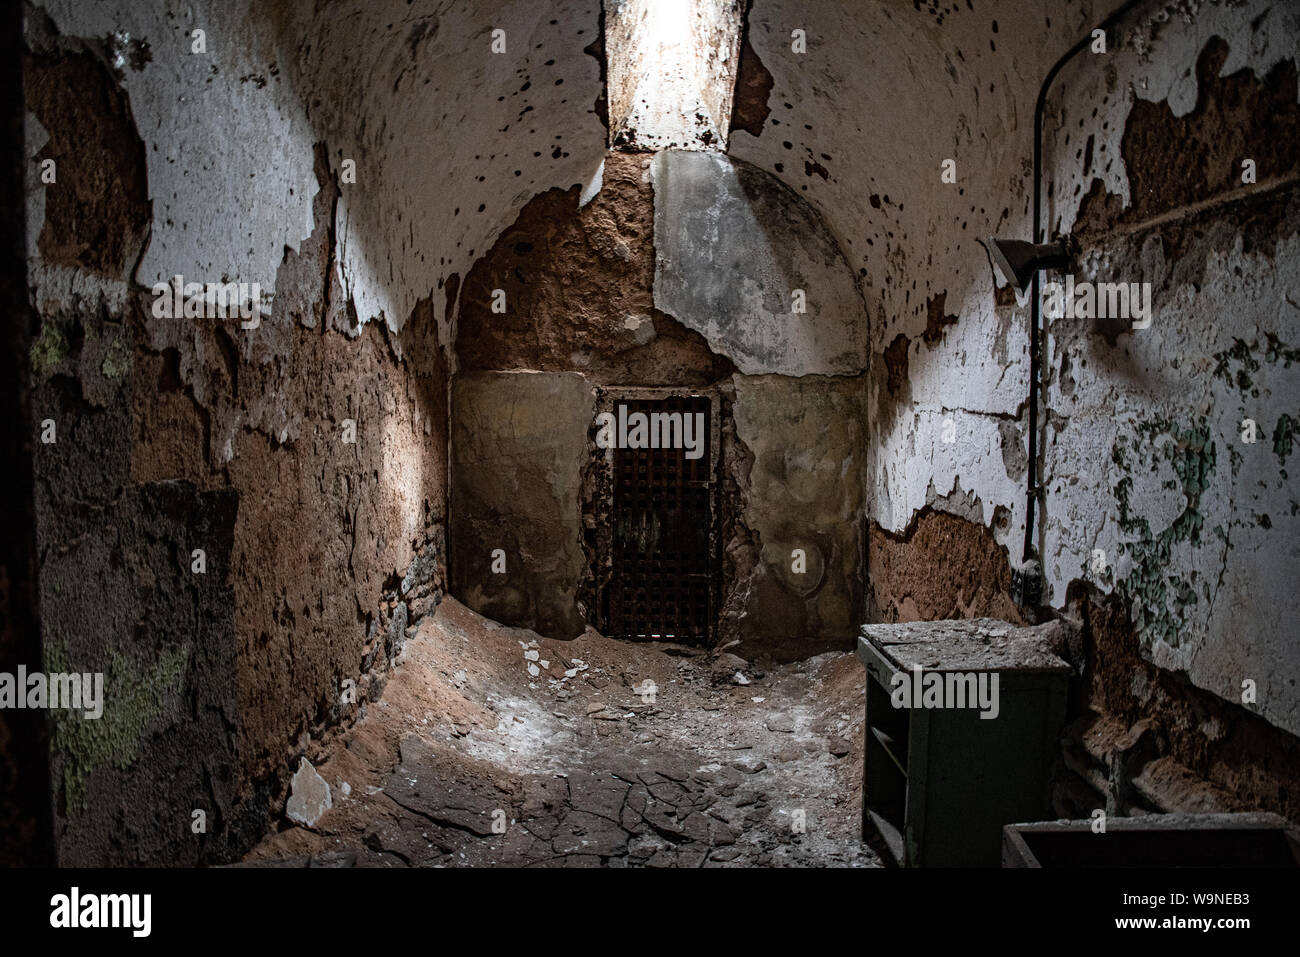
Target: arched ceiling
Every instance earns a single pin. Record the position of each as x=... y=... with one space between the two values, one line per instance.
x=450 y=139
x=862 y=123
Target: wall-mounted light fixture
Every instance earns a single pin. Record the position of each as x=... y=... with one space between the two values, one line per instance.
x=1019 y=261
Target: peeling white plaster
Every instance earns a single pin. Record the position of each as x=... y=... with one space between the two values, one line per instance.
x=881 y=133
x=1241 y=572
x=1135 y=71
x=229 y=157
x=410 y=92
x=438 y=124
x=882 y=144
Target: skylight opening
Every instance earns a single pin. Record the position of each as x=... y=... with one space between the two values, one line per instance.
x=672 y=72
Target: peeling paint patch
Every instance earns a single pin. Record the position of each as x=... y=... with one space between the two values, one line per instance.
x=895 y=356
x=936 y=320
x=1264 y=118
x=97 y=212
x=940 y=566
x=577 y=286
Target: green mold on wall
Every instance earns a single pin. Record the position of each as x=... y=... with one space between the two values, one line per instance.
x=1159 y=596
x=117 y=360
x=50 y=348
x=135 y=693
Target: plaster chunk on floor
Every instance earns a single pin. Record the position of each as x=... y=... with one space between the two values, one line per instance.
x=309 y=795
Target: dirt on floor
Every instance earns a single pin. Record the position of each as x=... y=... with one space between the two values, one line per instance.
x=493 y=746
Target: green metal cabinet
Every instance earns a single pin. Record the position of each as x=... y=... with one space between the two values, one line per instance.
x=940 y=783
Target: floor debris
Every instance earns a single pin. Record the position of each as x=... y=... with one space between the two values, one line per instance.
x=636 y=756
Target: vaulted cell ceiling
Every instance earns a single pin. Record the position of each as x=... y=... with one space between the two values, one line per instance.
x=863 y=122
x=450 y=139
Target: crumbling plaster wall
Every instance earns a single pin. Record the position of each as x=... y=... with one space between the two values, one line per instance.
x=179 y=434
x=860 y=125
x=576 y=271
x=242 y=151
x=450 y=139
x=1152 y=494
x=410 y=93
x=228 y=149
x=643 y=284
x=949 y=351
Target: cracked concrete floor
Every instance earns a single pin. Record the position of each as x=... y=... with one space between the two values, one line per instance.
x=491 y=746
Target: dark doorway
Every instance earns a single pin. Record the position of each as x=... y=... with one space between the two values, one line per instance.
x=661 y=585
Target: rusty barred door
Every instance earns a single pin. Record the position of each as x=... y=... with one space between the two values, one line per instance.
x=662 y=569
